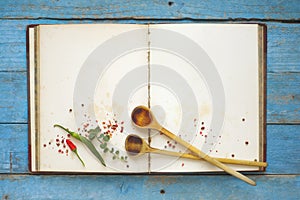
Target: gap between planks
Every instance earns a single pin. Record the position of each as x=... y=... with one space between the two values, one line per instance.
x=146 y=20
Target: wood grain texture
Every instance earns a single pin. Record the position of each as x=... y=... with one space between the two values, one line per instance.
x=283 y=97
x=282 y=51
x=282 y=150
x=13 y=97
x=147 y=187
x=157 y=9
x=14 y=148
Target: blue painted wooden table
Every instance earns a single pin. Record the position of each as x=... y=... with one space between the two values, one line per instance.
x=281 y=179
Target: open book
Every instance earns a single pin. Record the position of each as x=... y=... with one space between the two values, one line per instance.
x=203 y=82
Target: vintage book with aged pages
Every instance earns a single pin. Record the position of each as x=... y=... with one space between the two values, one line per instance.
x=205 y=83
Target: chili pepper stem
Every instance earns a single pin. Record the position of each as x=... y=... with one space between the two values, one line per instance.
x=73 y=134
x=60 y=126
x=79 y=158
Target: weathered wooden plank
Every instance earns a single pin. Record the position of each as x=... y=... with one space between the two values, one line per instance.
x=282 y=54
x=13 y=148
x=283 y=39
x=147 y=187
x=138 y=9
x=13 y=97
x=283 y=97
x=282 y=149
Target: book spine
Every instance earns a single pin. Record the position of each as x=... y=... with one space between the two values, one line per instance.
x=33 y=97
x=262 y=59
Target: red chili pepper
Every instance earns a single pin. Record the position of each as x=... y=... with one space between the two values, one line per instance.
x=74 y=149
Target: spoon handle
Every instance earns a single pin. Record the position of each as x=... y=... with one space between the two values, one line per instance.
x=206 y=157
x=223 y=160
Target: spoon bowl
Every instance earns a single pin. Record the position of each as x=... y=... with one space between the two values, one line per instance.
x=136 y=145
x=142 y=117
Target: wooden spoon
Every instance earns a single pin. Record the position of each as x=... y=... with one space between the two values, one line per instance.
x=144 y=118
x=137 y=146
